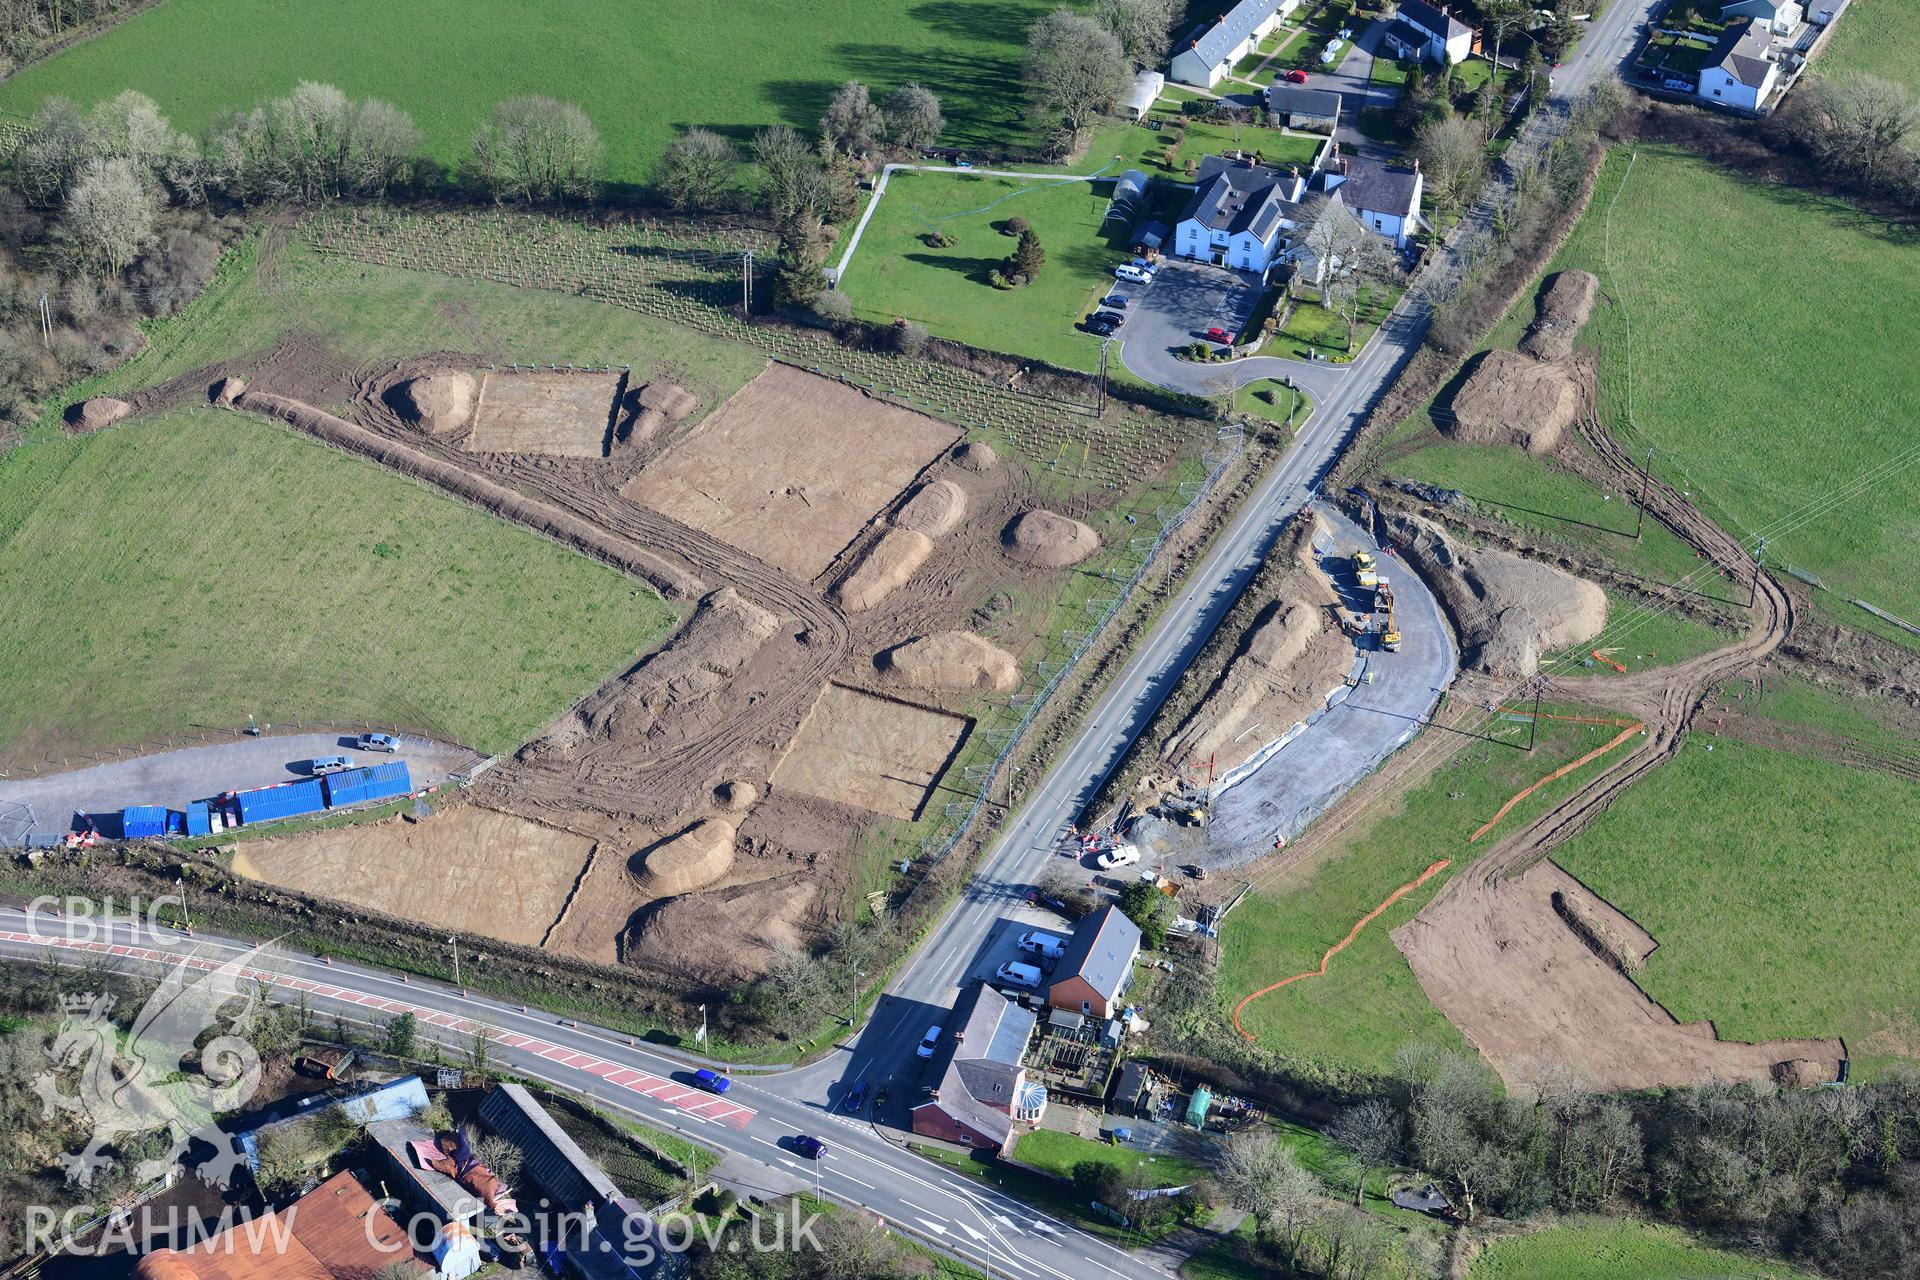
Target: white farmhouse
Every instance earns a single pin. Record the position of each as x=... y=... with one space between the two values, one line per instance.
x=1384 y=197
x=1208 y=56
x=1782 y=17
x=1423 y=33
x=1240 y=215
x=1743 y=72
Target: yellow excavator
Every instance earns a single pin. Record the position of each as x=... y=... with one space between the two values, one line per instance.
x=1383 y=603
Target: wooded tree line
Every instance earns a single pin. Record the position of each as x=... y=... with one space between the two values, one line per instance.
x=29 y=27
x=1857 y=131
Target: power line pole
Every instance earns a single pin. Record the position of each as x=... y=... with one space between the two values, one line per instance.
x=1100 y=404
x=1533 y=724
x=746 y=283
x=46 y=322
x=1645 y=469
x=1759 y=559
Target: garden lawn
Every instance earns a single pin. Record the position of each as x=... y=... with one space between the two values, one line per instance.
x=1759 y=436
x=1058 y=1153
x=1618 y=1249
x=1117 y=146
x=184 y=571
x=1369 y=1004
x=1313 y=328
x=1878 y=37
x=642 y=75
x=895 y=273
x=1781 y=890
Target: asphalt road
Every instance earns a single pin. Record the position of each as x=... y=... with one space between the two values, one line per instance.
x=47 y=803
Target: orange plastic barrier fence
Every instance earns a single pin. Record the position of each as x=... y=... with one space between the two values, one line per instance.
x=1341 y=945
x=1565 y=769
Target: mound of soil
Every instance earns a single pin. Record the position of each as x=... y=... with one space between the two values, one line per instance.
x=1563 y=312
x=690 y=861
x=1507 y=610
x=659 y=405
x=101 y=411
x=951 y=660
x=678 y=681
x=974 y=456
x=437 y=402
x=1509 y=399
x=681 y=937
x=937 y=509
x=225 y=391
x=735 y=796
x=887 y=564
x=1048 y=539
x=1290 y=660
x=1802 y=1072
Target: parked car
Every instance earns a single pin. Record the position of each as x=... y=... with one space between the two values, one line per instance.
x=379 y=742
x=1100 y=328
x=328 y=764
x=963 y=164
x=1051 y=946
x=810 y=1147
x=1121 y=855
x=1111 y=317
x=1295 y=76
x=1217 y=334
x=1015 y=974
x=1118 y=301
x=712 y=1081
x=1132 y=274
x=927 y=1042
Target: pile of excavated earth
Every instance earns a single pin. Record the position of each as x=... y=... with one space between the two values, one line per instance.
x=1528 y=398
x=832 y=553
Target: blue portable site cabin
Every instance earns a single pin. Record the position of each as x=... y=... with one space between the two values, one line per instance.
x=287 y=800
x=374 y=782
x=143 y=821
x=199 y=820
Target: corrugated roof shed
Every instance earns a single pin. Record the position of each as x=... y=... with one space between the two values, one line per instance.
x=373 y=782
x=286 y=800
x=334 y=1232
x=142 y=821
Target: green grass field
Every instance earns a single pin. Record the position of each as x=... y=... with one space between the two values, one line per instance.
x=1616 y=1249
x=187 y=570
x=896 y=273
x=1878 y=37
x=1781 y=890
x=1783 y=442
x=1370 y=1004
x=1639 y=637
x=1058 y=1152
x=641 y=75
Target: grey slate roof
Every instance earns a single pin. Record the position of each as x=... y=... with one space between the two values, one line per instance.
x=979 y=1066
x=1101 y=950
x=1407 y=35
x=1234 y=197
x=1429 y=18
x=1373 y=184
x=1742 y=53
x=1224 y=36
x=1297 y=100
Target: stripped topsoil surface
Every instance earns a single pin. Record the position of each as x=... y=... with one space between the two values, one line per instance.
x=656 y=763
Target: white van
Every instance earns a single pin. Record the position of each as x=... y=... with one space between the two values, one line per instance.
x=927 y=1042
x=1015 y=974
x=1046 y=945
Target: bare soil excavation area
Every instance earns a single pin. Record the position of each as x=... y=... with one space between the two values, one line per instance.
x=850 y=588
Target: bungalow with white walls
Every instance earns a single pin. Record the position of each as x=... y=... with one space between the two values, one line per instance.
x=1208 y=56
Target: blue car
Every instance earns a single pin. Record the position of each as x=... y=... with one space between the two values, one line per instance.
x=856 y=1097
x=712 y=1081
x=810 y=1147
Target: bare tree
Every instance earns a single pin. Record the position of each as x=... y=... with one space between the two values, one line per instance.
x=1369 y=1132
x=1261 y=1177
x=109 y=215
x=791 y=178
x=1453 y=156
x=381 y=148
x=1873 y=118
x=57 y=145
x=853 y=123
x=914 y=118
x=1075 y=70
x=307 y=138
x=537 y=148
x=1143 y=27
x=133 y=127
x=697 y=170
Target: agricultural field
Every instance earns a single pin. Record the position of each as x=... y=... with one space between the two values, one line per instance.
x=1618 y=1249
x=1369 y=1004
x=896 y=273
x=290 y=583
x=642 y=82
x=1779 y=885
x=1878 y=37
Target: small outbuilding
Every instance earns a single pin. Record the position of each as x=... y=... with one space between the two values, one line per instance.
x=1145 y=92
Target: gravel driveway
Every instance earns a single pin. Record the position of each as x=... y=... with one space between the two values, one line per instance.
x=172 y=778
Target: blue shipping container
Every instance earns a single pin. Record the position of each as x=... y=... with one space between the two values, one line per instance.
x=199 y=823
x=143 y=821
x=375 y=782
x=288 y=800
